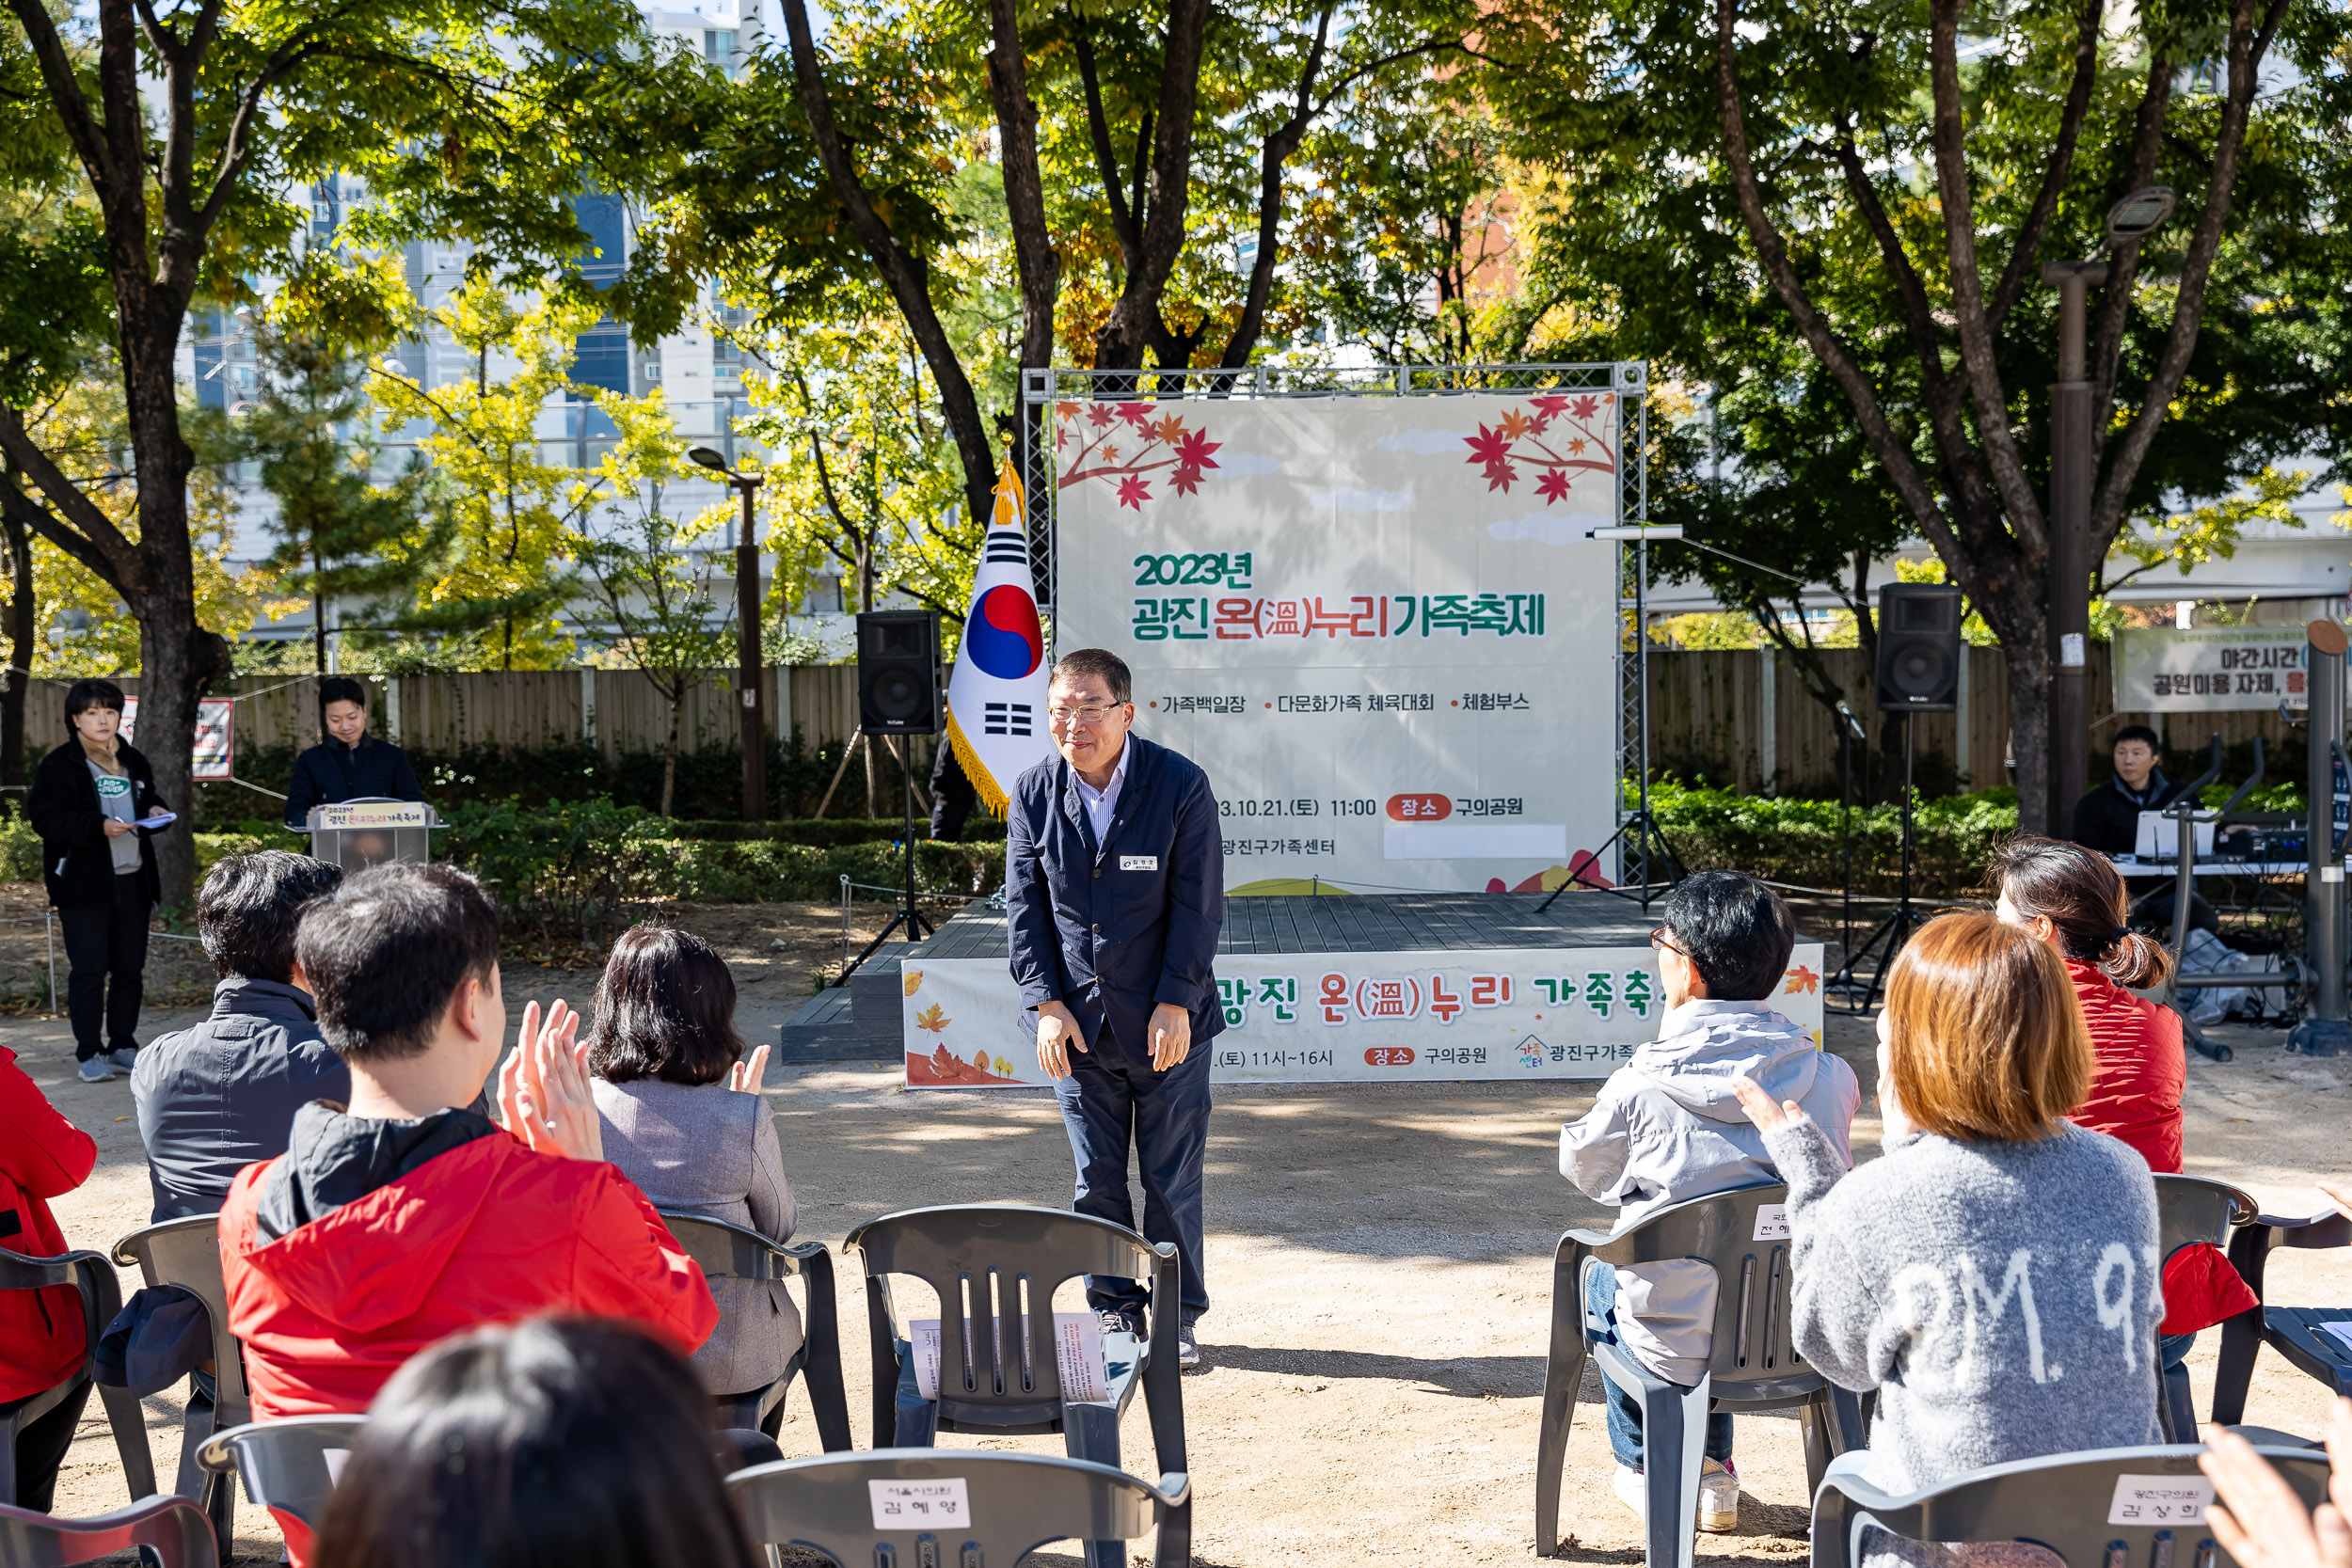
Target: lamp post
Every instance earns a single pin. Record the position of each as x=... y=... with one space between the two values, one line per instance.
x=2073 y=468
x=749 y=678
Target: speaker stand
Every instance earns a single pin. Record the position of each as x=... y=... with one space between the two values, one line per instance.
x=918 y=928
x=1887 y=939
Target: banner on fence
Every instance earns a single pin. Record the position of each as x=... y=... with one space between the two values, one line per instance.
x=2215 y=670
x=1389 y=1018
x=1379 y=624
x=214 y=756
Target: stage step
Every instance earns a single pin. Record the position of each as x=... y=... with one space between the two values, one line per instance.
x=857 y=1023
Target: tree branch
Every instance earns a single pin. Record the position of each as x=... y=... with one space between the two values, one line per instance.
x=22 y=509
x=1120 y=343
x=1279 y=149
x=2020 y=268
x=96 y=533
x=1034 y=258
x=65 y=93
x=2115 y=300
x=1105 y=155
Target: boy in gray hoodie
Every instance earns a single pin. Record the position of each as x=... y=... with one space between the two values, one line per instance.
x=1668 y=1128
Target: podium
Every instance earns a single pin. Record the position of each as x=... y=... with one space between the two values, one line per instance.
x=355 y=834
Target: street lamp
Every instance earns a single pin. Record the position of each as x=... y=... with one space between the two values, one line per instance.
x=2073 y=466
x=748 y=676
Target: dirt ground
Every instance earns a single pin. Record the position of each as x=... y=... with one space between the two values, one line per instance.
x=1378 y=1258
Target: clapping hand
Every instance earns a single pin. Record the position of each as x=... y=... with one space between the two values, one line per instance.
x=1769 y=1116
x=544 y=1096
x=2258 y=1518
x=746 y=1076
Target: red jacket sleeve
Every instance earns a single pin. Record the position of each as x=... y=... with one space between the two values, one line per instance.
x=39 y=1150
x=627 y=1265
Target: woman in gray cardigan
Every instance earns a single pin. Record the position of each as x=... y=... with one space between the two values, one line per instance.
x=684 y=1120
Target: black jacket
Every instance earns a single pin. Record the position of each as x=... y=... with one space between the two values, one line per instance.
x=76 y=859
x=2107 y=819
x=331 y=771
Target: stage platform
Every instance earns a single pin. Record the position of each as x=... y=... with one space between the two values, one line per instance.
x=860 y=1022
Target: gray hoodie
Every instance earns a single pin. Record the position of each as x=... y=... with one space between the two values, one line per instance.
x=1668 y=1129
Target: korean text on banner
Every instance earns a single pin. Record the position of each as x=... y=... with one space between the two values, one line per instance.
x=1077 y=1351
x=212 y=759
x=2217 y=670
x=1379 y=624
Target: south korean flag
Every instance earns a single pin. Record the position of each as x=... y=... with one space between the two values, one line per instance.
x=996 y=697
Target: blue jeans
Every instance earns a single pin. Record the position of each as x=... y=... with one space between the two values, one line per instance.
x=1107 y=1101
x=2172 y=1384
x=1625 y=1409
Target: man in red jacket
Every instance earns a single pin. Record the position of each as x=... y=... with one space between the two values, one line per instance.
x=408 y=1216
x=41 y=1344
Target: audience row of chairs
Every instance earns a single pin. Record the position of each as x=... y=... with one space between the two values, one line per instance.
x=1753 y=1367
x=994 y=1268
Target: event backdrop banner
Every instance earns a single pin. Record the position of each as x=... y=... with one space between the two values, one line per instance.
x=2215 y=670
x=1377 y=623
x=1384 y=1018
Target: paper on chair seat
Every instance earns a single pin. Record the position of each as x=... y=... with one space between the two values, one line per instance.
x=1078 y=1349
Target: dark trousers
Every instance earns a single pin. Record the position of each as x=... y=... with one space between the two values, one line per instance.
x=40 y=1447
x=99 y=944
x=1625 y=1409
x=1105 y=1102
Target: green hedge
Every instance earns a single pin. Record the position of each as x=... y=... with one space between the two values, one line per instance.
x=1798 y=841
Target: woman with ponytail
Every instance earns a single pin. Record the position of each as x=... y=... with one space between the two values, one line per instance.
x=2075 y=900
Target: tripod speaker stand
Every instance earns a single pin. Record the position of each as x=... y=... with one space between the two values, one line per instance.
x=899 y=695
x=1887 y=937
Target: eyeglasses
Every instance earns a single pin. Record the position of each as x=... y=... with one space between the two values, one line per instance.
x=1087 y=716
x=1658 y=939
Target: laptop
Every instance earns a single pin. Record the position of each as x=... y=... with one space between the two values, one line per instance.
x=2159 y=836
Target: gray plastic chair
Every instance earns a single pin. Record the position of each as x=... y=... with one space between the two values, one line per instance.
x=187 y=1253
x=726 y=1251
x=289 y=1465
x=1016 y=1503
x=93 y=1277
x=2294 y=1332
x=172 y=1527
x=2061 y=1503
x=1016 y=1256
x=1752 y=1365
x=2192 y=1209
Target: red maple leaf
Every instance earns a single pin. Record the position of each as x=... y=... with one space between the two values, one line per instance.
x=1553 y=486
x=1193 y=450
x=1098 y=415
x=1133 y=492
x=1585 y=408
x=1487 y=447
x=1137 y=413
x=1549 y=407
x=1187 y=480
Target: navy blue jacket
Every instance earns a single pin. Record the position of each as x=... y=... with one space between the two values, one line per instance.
x=1112 y=930
x=217 y=1098
x=331 y=771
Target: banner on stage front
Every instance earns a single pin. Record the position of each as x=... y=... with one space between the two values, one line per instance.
x=1378 y=623
x=1293 y=1018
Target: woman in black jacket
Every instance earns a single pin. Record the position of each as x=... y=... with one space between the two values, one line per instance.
x=87 y=796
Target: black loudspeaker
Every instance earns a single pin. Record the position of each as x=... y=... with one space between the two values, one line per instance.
x=898 y=673
x=1919 y=648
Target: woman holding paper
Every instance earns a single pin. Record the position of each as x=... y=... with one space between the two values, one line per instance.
x=95 y=807
x=684 y=1120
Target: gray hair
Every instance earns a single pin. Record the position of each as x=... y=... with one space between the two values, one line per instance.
x=1103 y=665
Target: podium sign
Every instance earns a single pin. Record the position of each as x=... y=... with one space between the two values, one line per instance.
x=373 y=813
x=355 y=834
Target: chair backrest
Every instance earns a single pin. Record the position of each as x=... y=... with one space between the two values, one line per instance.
x=999 y=1264
x=2192 y=1209
x=2108 y=1508
x=187 y=1253
x=91 y=1276
x=174 y=1527
x=726 y=1251
x=291 y=1464
x=1745 y=1236
x=955 y=1508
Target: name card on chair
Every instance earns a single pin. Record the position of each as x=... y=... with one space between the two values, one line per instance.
x=1772 y=1222
x=1077 y=1346
x=920 y=1504
x=2159 y=1500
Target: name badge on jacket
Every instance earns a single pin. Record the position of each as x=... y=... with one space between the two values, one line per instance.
x=1138 y=862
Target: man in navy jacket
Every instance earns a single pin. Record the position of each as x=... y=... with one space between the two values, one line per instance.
x=1114 y=893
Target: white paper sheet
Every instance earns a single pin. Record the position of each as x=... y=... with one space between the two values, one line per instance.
x=2340 y=1330
x=1077 y=1344
x=2159 y=1500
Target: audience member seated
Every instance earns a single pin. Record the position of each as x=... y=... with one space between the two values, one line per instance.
x=553 y=1442
x=214 y=1099
x=41 y=1156
x=684 y=1120
x=2075 y=901
x=1989 y=1275
x=408 y=1216
x=2258 y=1518
x=1668 y=1128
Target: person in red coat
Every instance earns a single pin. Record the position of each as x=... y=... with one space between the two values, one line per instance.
x=41 y=1342
x=2076 y=900
x=410 y=1216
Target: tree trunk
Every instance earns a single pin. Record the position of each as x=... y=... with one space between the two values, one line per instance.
x=669 y=761
x=17 y=680
x=2028 y=663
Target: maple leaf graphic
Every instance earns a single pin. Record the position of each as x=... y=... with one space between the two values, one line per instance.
x=1167 y=429
x=1133 y=492
x=1576 y=448
x=1585 y=408
x=1186 y=479
x=1110 y=453
x=1546 y=408
x=1099 y=414
x=1515 y=424
x=932 y=1019
x=1491 y=450
x=1193 y=450
x=1137 y=414
x=1801 y=980
x=1553 y=486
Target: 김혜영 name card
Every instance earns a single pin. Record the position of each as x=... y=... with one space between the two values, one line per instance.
x=920 y=1504
x=2159 y=1500
x=1078 y=1351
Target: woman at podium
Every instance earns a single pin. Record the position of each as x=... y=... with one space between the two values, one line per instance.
x=350 y=763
